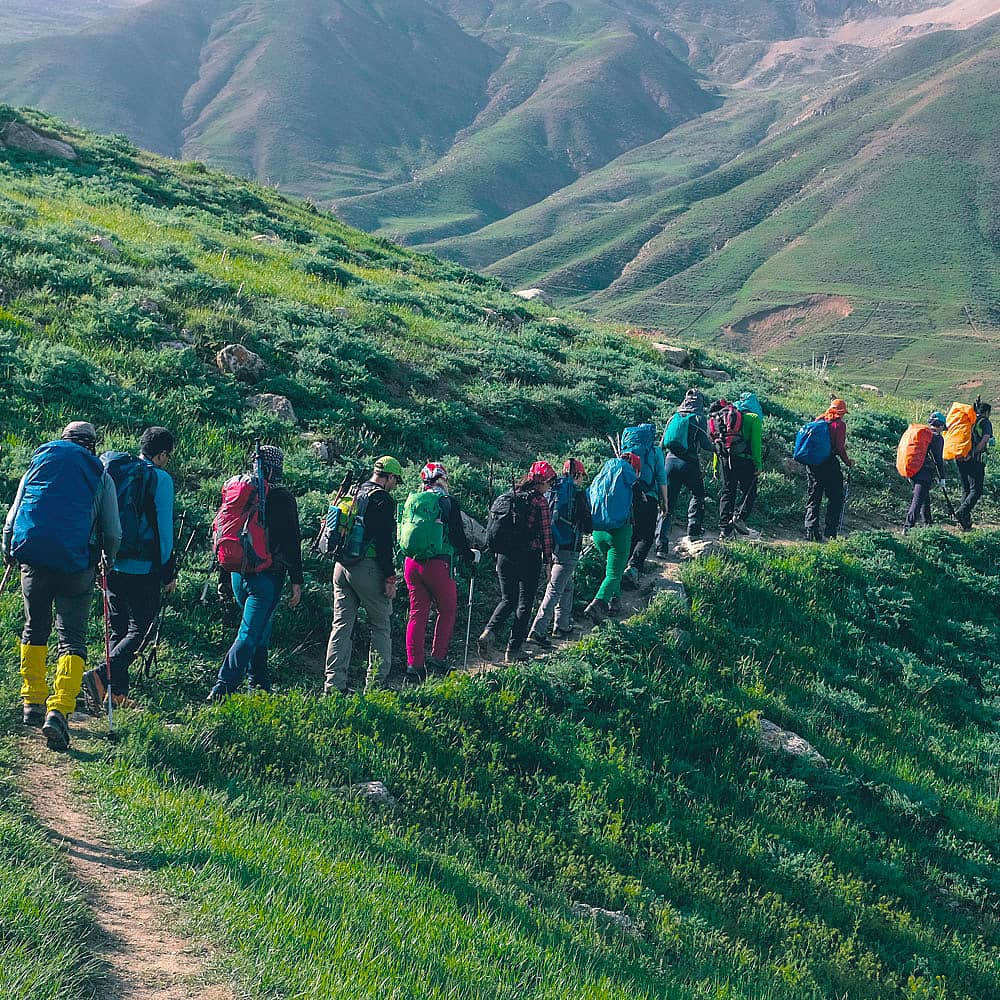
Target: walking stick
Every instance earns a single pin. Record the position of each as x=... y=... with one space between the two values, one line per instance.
x=951 y=506
x=843 y=509
x=107 y=648
x=7 y=575
x=468 y=618
x=150 y=659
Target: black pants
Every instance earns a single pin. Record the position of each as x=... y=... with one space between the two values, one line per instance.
x=739 y=475
x=972 y=473
x=71 y=593
x=518 y=574
x=645 y=510
x=135 y=603
x=920 y=505
x=683 y=473
x=824 y=479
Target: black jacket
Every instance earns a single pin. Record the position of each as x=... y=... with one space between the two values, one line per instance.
x=284 y=538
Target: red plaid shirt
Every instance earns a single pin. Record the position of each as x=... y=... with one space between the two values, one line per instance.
x=540 y=526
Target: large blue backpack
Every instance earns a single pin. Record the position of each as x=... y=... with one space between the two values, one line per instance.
x=640 y=440
x=611 y=493
x=53 y=527
x=562 y=508
x=135 y=484
x=812 y=443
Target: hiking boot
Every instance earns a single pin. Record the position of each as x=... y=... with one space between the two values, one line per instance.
x=694 y=536
x=662 y=553
x=483 y=644
x=615 y=606
x=727 y=534
x=34 y=715
x=597 y=611
x=630 y=579
x=814 y=535
x=540 y=640
x=964 y=521
x=94 y=690
x=515 y=654
x=218 y=693
x=438 y=668
x=741 y=527
x=55 y=729
x=414 y=676
x=563 y=633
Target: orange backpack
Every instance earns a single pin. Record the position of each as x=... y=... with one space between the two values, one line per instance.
x=912 y=450
x=958 y=436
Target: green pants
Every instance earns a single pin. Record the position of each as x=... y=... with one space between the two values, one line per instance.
x=614 y=546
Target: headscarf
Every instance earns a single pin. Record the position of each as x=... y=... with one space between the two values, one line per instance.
x=693 y=402
x=836 y=410
x=272 y=459
x=82 y=433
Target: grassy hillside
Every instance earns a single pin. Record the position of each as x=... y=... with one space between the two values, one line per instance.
x=623 y=774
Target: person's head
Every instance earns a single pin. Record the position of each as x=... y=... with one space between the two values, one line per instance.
x=82 y=433
x=540 y=477
x=575 y=468
x=937 y=422
x=694 y=399
x=634 y=460
x=272 y=462
x=157 y=444
x=837 y=410
x=434 y=476
x=982 y=409
x=388 y=473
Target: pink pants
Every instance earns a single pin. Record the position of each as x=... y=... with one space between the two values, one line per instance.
x=429 y=581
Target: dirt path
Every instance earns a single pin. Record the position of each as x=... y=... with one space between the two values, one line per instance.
x=145 y=959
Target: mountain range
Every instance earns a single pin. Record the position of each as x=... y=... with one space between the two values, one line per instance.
x=794 y=178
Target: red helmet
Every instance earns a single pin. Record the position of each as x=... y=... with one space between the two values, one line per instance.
x=541 y=472
x=573 y=467
x=633 y=460
x=432 y=472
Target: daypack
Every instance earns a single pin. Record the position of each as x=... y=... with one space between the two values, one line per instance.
x=562 y=508
x=54 y=524
x=610 y=495
x=725 y=428
x=748 y=403
x=239 y=538
x=958 y=434
x=912 y=451
x=812 y=443
x=135 y=484
x=677 y=436
x=640 y=440
x=342 y=536
x=423 y=528
x=507 y=526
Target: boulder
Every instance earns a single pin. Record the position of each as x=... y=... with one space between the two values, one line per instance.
x=773 y=737
x=237 y=360
x=714 y=374
x=531 y=294
x=688 y=548
x=618 y=918
x=280 y=406
x=105 y=245
x=342 y=312
x=673 y=355
x=680 y=639
x=149 y=307
x=374 y=792
x=266 y=238
x=871 y=388
x=15 y=135
x=172 y=345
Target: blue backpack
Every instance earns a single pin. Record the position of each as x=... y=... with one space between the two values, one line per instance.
x=812 y=443
x=562 y=507
x=640 y=440
x=53 y=527
x=749 y=403
x=610 y=495
x=135 y=484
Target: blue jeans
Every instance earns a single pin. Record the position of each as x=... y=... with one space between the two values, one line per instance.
x=257 y=594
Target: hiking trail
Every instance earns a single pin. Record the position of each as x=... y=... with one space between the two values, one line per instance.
x=143 y=955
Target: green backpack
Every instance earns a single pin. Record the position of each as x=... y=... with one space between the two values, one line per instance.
x=422 y=528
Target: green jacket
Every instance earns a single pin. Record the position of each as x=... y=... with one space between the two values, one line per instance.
x=753 y=433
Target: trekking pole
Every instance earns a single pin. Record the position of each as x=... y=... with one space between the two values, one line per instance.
x=468 y=618
x=6 y=576
x=843 y=509
x=951 y=506
x=107 y=648
x=151 y=658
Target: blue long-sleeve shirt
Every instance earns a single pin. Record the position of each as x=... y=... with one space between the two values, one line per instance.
x=163 y=503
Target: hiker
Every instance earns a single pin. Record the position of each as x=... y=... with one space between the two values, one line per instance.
x=736 y=431
x=520 y=533
x=146 y=563
x=826 y=478
x=685 y=434
x=650 y=497
x=972 y=469
x=931 y=470
x=431 y=536
x=366 y=578
x=612 y=498
x=63 y=520
x=257 y=590
x=569 y=509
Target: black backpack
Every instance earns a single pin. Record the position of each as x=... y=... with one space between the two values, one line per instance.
x=507 y=527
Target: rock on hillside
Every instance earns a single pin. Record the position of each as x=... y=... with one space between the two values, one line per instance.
x=16 y=135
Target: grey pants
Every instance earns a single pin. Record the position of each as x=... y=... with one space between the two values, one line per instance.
x=71 y=593
x=558 y=599
x=355 y=587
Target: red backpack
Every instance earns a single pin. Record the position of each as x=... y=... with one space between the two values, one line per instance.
x=725 y=428
x=238 y=537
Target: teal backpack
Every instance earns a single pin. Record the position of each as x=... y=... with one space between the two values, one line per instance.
x=640 y=440
x=677 y=436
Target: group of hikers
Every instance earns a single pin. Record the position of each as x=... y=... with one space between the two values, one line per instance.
x=78 y=519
